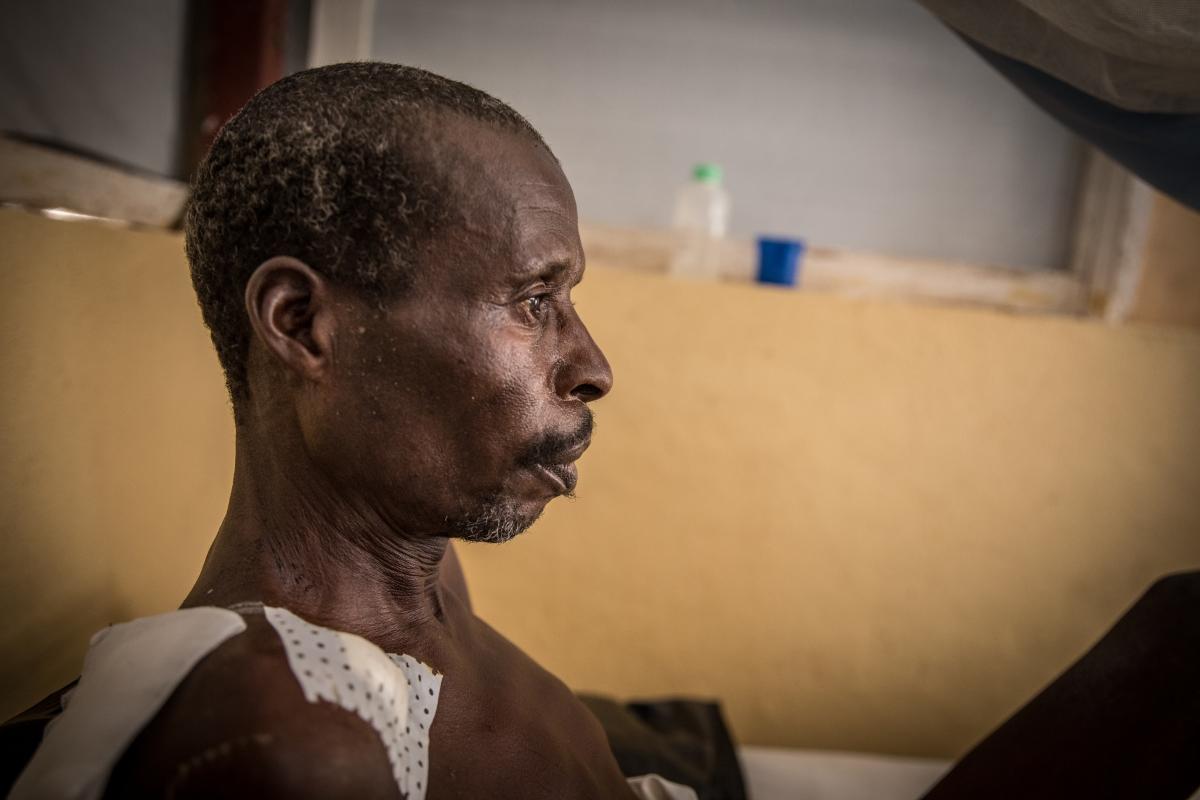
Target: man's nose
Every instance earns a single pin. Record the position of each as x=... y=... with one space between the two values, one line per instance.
x=584 y=373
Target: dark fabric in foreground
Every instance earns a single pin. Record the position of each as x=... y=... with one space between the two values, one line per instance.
x=1122 y=723
x=21 y=735
x=685 y=741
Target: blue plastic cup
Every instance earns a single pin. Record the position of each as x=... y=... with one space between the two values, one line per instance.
x=779 y=260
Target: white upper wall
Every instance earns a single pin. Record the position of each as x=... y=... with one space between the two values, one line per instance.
x=852 y=123
x=102 y=76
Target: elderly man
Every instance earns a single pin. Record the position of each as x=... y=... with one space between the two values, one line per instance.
x=385 y=260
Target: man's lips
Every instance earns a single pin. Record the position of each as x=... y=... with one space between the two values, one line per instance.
x=569 y=455
x=562 y=477
x=560 y=470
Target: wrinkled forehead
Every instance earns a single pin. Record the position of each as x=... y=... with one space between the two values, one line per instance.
x=512 y=199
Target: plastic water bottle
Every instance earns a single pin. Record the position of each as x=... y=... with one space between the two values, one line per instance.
x=700 y=222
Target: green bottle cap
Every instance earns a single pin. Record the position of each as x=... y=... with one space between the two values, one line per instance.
x=707 y=173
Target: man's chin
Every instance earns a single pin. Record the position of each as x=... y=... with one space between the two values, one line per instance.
x=496 y=521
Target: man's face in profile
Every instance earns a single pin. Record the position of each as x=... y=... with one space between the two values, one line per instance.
x=460 y=407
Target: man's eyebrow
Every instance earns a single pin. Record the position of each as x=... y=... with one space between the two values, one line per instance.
x=550 y=271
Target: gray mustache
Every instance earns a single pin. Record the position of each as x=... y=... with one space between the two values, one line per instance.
x=550 y=448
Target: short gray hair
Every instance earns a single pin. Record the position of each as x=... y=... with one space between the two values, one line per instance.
x=328 y=166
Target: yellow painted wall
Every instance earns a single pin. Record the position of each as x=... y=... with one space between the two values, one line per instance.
x=115 y=443
x=863 y=525
x=1168 y=289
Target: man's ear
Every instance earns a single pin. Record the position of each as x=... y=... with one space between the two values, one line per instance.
x=290 y=306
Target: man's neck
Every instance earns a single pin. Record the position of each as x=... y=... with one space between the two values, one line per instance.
x=289 y=539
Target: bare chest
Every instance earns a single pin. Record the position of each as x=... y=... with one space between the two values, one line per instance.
x=506 y=727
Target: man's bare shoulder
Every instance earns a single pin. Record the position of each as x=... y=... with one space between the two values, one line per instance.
x=240 y=726
x=517 y=712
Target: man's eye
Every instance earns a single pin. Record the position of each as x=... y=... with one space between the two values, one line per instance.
x=536 y=304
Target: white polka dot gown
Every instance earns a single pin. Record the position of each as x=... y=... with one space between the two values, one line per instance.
x=396 y=695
